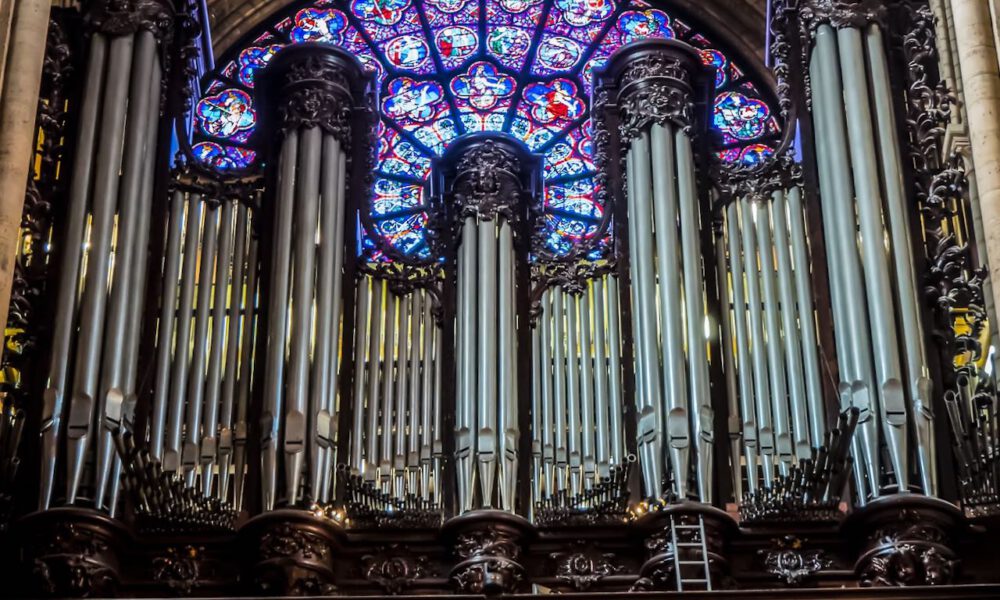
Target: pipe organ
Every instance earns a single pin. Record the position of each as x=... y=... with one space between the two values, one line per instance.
x=653 y=90
x=732 y=352
x=486 y=184
x=91 y=388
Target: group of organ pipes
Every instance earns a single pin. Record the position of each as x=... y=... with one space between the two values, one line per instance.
x=679 y=365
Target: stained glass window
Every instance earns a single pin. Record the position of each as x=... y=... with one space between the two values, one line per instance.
x=450 y=67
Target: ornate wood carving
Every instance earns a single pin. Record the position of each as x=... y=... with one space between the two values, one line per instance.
x=585 y=565
x=178 y=569
x=122 y=17
x=292 y=553
x=394 y=569
x=488 y=546
x=792 y=563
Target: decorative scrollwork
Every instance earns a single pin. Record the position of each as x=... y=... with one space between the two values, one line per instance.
x=285 y=541
x=584 y=567
x=487 y=182
x=914 y=548
x=395 y=570
x=122 y=17
x=72 y=561
x=839 y=14
x=489 y=561
x=179 y=569
x=791 y=563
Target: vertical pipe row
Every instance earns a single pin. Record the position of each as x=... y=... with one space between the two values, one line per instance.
x=576 y=371
x=776 y=368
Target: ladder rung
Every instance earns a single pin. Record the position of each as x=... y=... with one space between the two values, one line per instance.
x=695 y=581
x=687 y=527
x=690 y=562
x=689 y=544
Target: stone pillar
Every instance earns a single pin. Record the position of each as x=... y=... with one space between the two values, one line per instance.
x=20 y=74
x=308 y=97
x=977 y=55
x=652 y=90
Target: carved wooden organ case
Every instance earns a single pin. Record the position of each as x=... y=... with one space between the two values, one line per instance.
x=728 y=387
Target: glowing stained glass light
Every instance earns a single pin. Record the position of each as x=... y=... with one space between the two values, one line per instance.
x=483 y=86
x=225 y=114
x=739 y=116
x=445 y=68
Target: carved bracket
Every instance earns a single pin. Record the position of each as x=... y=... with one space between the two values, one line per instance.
x=791 y=563
x=488 y=546
x=584 y=566
x=292 y=553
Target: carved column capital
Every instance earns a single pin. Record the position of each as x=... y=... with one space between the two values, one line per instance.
x=839 y=14
x=122 y=17
x=905 y=540
x=757 y=182
x=488 y=545
x=314 y=85
x=650 y=81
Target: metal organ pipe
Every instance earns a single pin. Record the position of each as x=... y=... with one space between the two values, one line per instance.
x=743 y=359
x=700 y=406
x=86 y=399
x=235 y=332
x=67 y=299
x=911 y=325
x=775 y=364
x=213 y=379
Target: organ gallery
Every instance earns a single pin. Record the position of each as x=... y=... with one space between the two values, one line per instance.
x=500 y=298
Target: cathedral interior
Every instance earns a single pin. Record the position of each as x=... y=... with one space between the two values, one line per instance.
x=497 y=298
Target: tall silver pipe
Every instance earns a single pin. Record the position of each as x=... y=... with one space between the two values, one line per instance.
x=559 y=386
x=465 y=422
x=729 y=365
x=331 y=147
x=486 y=442
x=182 y=346
x=601 y=405
x=536 y=412
x=69 y=271
x=572 y=304
x=196 y=376
x=911 y=325
x=649 y=400
x=234 y=332
x=112 y=392
x=507 y=423
x=429 y=403
x=789 y=323
x=361 y=344
x=835 y=144
x=884 y=335
x=668 y=263
x=694 y=304
x=402 y=380
x=417 y=400
x=762 y=388
x=615 y=373
x=277 y=328
x=372 y=404
x=807 y=324
x=775 y=343
x=390 y=344
x=213 y=381
x=166 y=325
x=303 y=284
x=247 y=344
x=548 y=398
x=94 y=301
x=112 y=386
x=743 y=360
x=318 y=431
x=587 y=388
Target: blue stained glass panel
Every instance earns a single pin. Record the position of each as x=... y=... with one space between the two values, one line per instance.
x=226 y=114
x=525 y=67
